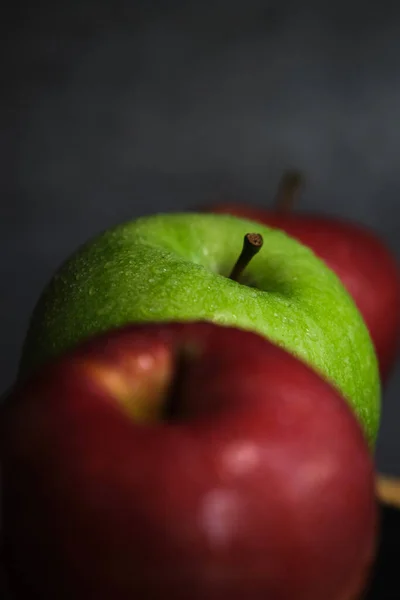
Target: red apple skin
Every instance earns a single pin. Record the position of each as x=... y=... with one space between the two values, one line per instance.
x=366 y=267
x=262 y=487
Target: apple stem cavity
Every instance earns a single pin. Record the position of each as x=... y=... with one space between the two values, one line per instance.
x=252 y=244
x=289 y=188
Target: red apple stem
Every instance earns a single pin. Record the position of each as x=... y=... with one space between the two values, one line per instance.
x=252 y=244
x=289 y=188
x=172 y=407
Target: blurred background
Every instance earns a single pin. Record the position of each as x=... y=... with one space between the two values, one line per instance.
x=113 y=109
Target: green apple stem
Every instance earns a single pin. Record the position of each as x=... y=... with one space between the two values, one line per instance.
x=252 y=244
x=289 y=189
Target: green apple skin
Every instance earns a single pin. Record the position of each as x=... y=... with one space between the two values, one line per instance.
x=176 y=267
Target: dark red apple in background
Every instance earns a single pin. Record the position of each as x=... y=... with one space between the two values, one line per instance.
x=361 y=260
x=185 y=461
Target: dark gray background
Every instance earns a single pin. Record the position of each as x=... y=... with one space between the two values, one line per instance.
x=114 y=109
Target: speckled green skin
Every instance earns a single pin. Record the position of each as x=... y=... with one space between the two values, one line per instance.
x=175 y=267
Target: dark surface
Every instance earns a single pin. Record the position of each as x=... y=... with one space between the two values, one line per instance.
x=385 y=584
x=114 y=109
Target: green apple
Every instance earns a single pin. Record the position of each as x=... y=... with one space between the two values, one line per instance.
x=177 y=267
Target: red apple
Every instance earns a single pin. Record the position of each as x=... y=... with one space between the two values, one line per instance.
x=361 y=260
x=185 y=461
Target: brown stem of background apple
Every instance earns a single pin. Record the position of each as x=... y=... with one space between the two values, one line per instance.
x=289 y=188
x=252 y=244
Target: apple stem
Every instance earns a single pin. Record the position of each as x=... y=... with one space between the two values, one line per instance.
x=172 y=408
x=252 y=244
x=289 y=189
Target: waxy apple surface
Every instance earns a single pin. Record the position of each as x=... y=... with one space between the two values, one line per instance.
x=364 y=264
x=176 y=267
x=185 y=461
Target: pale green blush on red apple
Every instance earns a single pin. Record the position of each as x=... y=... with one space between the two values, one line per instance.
x=176 y=267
